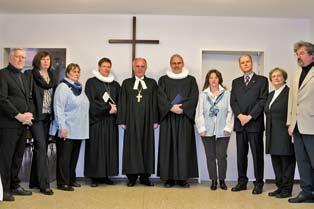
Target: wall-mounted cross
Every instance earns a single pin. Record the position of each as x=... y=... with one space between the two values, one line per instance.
x=133 y=41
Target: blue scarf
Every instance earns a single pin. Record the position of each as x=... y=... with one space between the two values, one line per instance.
x=76 y=88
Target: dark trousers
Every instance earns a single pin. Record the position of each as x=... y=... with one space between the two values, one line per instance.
x=133 y=177
x=304 y=153
x=255 y=140
x=67 y=156
x=284 y=167
x=39 y=172
x=216 y=149
x=12 y=146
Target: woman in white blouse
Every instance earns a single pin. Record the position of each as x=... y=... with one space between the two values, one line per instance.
x=214 y=121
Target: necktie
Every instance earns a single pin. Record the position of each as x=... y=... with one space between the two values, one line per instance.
x=247 y=80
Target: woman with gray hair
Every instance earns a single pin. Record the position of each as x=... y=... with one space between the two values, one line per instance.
x=278 y=141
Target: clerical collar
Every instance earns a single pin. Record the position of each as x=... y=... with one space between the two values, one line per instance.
x=137 y=81
x=102 y=78
x=181 y=75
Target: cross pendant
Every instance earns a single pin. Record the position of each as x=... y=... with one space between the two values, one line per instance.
x=139 y=97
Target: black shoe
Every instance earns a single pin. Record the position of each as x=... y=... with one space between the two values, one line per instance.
x=238 y=187
x=8 y=197
x=75 y=184
x=131 y=184
x=46 y=191
x=274 y=193
x=108 y=181
x=214 y=185
x=20 y=191
x=146 y=182
x=223 y=185
x=283 y=195
x=183 y=183
x=94 y=184
x=257 y=190
x=169 y=183
x=300 y=198
x=65 y=188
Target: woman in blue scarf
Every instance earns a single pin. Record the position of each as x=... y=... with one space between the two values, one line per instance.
x=71 y=123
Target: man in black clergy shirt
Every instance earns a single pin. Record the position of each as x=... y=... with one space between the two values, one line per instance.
x=248 y=97
x=15 y=114
x=177 y=100
x=138 y=115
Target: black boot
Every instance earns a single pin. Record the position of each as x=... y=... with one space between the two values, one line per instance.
x=214 y=185
x=223 y=184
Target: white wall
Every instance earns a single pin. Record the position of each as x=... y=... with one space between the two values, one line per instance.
x=312 y=30
x=86 y=38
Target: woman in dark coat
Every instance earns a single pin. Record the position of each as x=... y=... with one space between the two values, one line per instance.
x=102 y=150
x=44 y=84
x=278 y=142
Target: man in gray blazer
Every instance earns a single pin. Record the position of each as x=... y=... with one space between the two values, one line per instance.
x=300 y=118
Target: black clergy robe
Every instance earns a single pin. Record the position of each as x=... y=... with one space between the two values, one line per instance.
x=139 y=118
x=102 y=149
x=177 y=158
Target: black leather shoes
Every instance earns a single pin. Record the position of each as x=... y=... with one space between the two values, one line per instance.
x=146 y=182
x=183 y=183
x=223 y=185
x=94 y=184
x=75 y=184
x=214 y=185
x=65 y=188
x=300 y=198
x=20 y=191
x=169 y=183
x=108 y=181
x=283 y=195
x=131 y=184
x=46 y=191
x=274 y=193
x=8 y=197
x=257 y=190
x=238 y=187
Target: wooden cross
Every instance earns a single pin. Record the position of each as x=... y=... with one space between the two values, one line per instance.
x=133 y=41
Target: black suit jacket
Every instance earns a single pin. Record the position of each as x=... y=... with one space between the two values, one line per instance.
x=278 y=141
x=249 y=100
x=14 y=97
x=38 y=94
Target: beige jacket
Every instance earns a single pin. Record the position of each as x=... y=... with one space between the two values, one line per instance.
x=301 y=103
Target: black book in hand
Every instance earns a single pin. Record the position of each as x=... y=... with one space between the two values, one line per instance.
x=177 y=100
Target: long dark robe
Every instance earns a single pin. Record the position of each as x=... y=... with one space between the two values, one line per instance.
x=177 y=158
x=102 y=149
x=139 y=118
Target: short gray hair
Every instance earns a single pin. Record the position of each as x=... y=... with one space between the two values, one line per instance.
x=138 y=59
x=13 y=50
x=282 y=71
x=309 y=47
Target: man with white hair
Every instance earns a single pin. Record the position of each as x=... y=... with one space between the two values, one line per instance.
x=15 y=115
x=138 y=116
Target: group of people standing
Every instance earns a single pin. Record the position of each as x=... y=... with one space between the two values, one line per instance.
x=34 y=99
